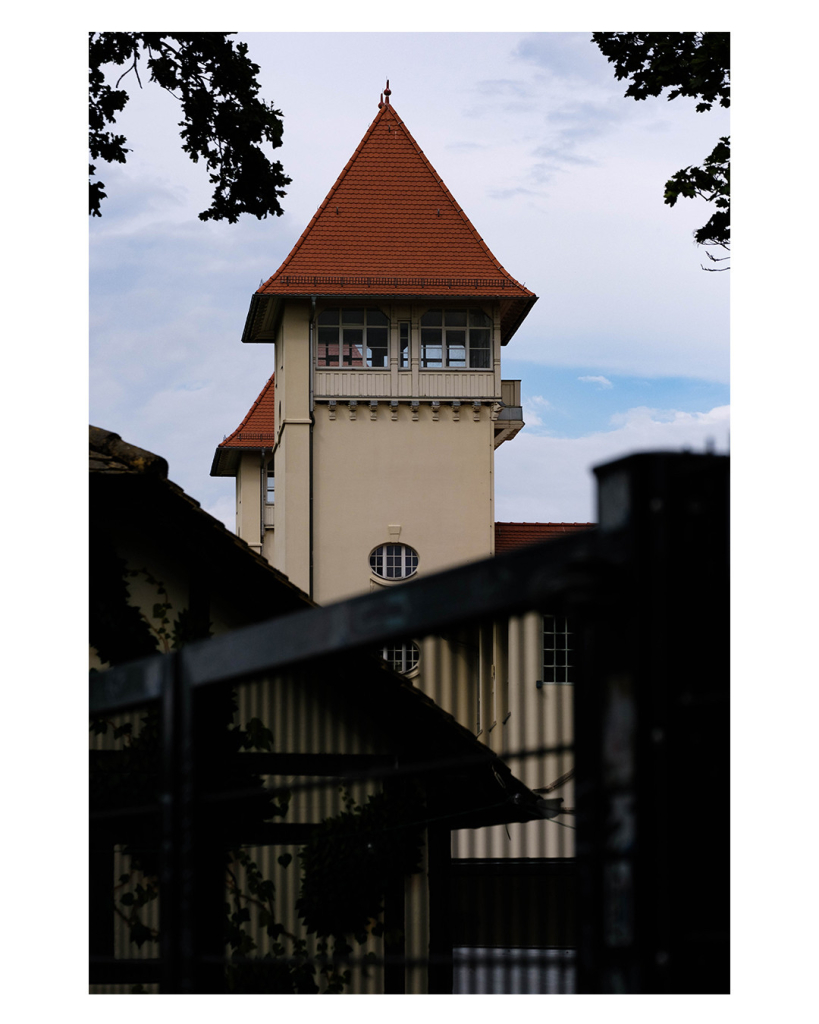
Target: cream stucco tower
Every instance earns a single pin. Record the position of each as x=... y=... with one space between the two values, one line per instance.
x=368 y=456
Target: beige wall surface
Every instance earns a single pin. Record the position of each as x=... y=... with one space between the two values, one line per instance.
x=249 y=483
x=433 y=479
x=418 y=472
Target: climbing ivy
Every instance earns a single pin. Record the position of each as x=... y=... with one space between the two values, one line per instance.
x=346 y=868
x=353 y=858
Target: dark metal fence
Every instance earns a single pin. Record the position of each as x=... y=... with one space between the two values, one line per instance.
x=275 y=810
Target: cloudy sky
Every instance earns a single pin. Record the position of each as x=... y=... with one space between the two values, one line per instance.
x=563 y=177
x=626 y=349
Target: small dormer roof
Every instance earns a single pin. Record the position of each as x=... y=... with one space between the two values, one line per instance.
x=257 y=431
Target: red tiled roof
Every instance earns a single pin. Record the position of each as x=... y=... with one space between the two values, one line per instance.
x=517 y=535
x=390 y=225
x=258 y=428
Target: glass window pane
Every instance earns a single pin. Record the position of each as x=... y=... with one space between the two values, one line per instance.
x=479 y=337
x=377 y=355
x=455 y=348
x=456 y=318
x=375 y=316
x=353 y=347
x=477 y=318
x=329 y=316
x=352 y=316
x=327 y=350
x=431 y=347
x=479 y=360
x=432 y=318
x=394 y=561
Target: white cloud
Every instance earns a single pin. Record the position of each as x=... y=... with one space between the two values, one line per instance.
x=549 y=479
x=533 y=406
x=602 y=382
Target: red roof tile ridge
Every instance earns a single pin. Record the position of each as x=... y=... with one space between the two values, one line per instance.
x=545 y=524
x=381 y=113
x=458 y=208
x=270 y=384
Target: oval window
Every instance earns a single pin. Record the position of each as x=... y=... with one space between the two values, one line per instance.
x=393 y=561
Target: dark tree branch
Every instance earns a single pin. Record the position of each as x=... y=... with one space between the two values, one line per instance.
x=223 y=121
x=692 y=64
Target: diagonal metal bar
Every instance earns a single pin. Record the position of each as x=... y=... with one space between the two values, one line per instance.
x=510 y=584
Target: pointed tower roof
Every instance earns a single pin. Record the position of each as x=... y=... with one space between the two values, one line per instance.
x=390 y=226
x=256 y=431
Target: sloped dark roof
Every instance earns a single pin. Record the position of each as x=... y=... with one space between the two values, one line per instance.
x=130 y=490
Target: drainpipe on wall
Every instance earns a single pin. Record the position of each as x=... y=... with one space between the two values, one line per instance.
x=263 y=498
x=312 y=423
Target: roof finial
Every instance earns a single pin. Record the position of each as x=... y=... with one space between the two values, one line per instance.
x=387 y=93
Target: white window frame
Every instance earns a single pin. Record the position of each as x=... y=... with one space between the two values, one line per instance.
x=469 y=348
x=408 y=561
x=270 y=483
x=404 y=354
x=410 y=656
x=363 y=326
x=558 y=635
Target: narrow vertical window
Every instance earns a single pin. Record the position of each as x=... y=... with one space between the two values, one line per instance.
x=271 y=484
x=378 y=328
x=557 y=650
x=403 y=345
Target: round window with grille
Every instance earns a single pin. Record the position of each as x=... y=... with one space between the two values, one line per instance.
x=393 y=561
x=402 y=657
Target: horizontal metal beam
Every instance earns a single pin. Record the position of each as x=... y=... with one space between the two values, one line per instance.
x=129 y=685
x=529 y=579
x=107 y=970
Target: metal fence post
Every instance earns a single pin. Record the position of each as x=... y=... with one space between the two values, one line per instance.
x=652 y=733
x=176 y=849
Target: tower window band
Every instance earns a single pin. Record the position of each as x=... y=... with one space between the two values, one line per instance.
x=456 y=338
x=353 y=337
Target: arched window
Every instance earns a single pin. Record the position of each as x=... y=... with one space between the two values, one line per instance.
x=393 y=561
x=402 y=657
x=353 y=337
